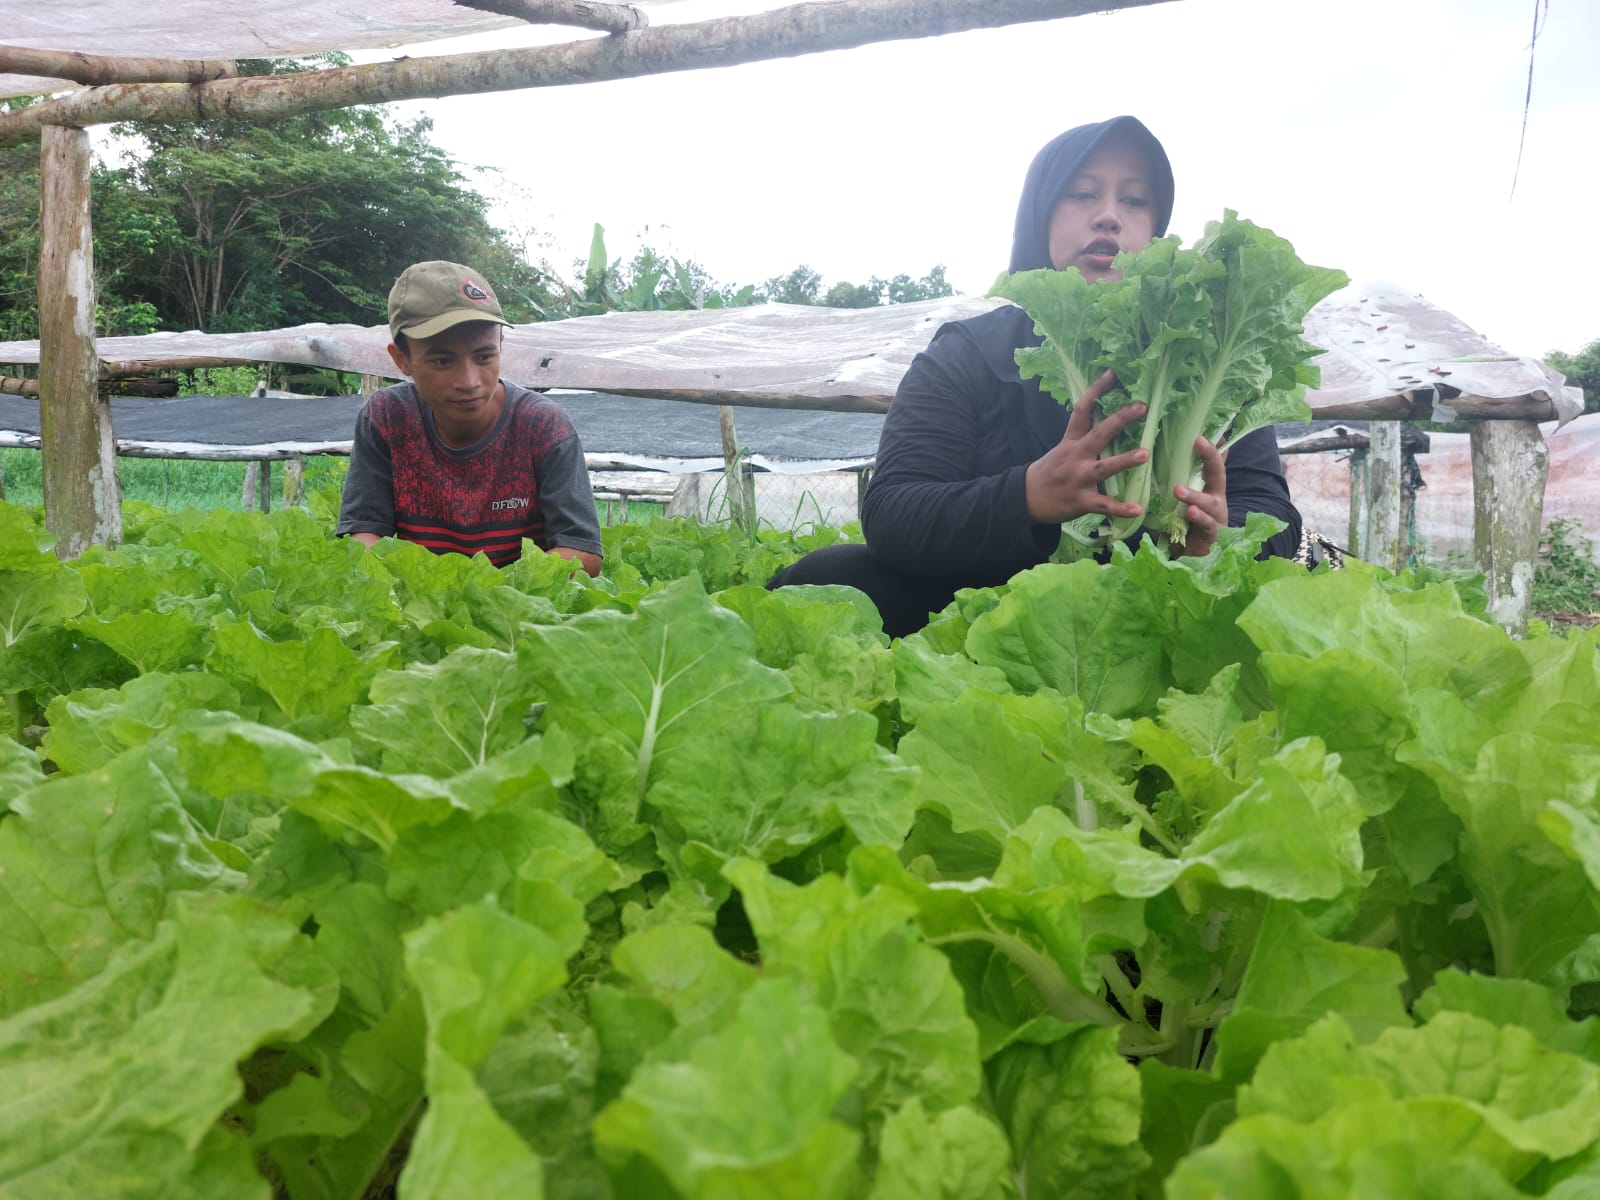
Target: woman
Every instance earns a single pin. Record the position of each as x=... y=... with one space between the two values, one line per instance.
x=977 y=468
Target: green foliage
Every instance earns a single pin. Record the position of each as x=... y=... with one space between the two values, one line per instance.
x=1582 y=370
x=804 y=286
x=19 y=237
x=1566 y=579
x=1161 y=878
x=649 y=283
x=231 y=225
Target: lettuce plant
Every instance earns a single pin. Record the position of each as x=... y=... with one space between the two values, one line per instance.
x=1207 y=338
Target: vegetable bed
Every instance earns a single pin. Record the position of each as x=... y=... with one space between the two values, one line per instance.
x=322 y=869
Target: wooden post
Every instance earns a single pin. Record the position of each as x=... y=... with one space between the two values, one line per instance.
x=1358 y=492
x=1381 y=543
x=733 y=485
x=369 y=384
x=863 y=477
x=294 y=481
x=1510 y=464
x=78 y=451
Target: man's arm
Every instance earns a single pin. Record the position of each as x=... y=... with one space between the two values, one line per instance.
x=566 y=501
x=366 y=507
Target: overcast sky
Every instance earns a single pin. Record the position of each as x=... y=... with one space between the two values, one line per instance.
x=1379 y=136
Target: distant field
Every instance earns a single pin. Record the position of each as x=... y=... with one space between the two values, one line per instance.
x=169 y=483
x=188 y=483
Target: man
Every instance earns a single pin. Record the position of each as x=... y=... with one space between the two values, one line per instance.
x=457 y=459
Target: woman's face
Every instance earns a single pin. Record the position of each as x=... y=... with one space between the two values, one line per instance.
x=1109 y=206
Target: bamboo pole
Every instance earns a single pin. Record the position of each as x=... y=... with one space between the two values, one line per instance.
x=583 y=14
x=82 y=499
x=98 y=70
x=726 y=41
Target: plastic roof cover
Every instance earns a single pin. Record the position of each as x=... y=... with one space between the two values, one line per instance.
x=1380 y=340
x=226 y=29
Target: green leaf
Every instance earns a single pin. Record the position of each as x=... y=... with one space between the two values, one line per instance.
x=749 y=1112
x=1080 y=629
x=127 y=1074
x=1295 y=833
x=1072 y=1111
x=981 y=766
x=891 y=999
x=778 y=781
x=317 y=677
x=477 y=970
x=443 y=718
x=81 y=873
x=89 y=728
x=957 y=1155
x=1295 y=977
x=638 y=689
x=1536 y=902
x=19 y=771
x=826 y=639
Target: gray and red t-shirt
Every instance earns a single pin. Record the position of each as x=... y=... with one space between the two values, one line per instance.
x=525 y=479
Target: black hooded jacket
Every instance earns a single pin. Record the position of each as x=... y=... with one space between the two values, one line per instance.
x=947 y=497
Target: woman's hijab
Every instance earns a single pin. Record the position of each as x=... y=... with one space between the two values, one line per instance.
x=1055 y=166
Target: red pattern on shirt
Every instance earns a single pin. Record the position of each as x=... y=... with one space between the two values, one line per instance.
x=445 y=501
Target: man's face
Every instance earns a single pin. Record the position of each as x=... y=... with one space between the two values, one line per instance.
x=1108 y=207
x=457 y=374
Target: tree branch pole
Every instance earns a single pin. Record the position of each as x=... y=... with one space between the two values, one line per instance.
x=584 y=14
x=97 y=70
x=782 y=33
x=10 y=386
x=82 y=498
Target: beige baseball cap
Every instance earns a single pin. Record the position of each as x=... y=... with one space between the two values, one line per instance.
x=430 y=297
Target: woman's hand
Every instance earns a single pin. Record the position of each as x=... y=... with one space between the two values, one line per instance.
x=1065 y=482
x=1207 y=510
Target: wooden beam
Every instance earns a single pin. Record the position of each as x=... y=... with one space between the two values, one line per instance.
x=583 y=14
x=133 y=370
x=19 y=387
x=781 y=33
x=82 y=499
x=1510 y=465
x=97 y=70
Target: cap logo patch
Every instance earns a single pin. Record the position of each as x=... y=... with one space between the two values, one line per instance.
x=472 y=291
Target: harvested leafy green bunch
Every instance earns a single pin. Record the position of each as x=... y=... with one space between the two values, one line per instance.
x=1208 y=338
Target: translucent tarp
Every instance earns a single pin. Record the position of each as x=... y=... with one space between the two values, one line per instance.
x=226 y=29
x=1383 y=344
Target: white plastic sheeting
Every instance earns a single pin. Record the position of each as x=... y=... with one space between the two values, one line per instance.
x=1382 y=343
x=225 y=29
x=1381 y=339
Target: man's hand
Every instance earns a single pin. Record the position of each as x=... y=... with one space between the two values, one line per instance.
x=1065 y=482
x=1207 y=510
x=589 y=562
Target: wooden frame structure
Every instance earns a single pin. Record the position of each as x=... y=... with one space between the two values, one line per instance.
x=82 y=501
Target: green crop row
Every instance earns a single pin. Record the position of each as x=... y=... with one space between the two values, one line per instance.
x=327 y=872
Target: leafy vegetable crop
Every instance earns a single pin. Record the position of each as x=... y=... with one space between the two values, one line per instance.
x=1207 y=338
x=326 y=873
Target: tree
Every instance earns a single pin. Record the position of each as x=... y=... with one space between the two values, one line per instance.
x=1582 y=370
x=800 y=286
x=231 y=226
x=19 y=237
